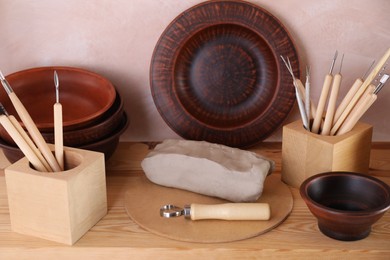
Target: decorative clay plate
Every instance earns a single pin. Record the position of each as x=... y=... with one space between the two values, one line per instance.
x=216 y=73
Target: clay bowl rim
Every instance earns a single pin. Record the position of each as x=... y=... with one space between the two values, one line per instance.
x=10 y=150
x=385 y=205
x=74 y=123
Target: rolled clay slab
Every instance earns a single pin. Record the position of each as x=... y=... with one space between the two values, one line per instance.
x=209 y=169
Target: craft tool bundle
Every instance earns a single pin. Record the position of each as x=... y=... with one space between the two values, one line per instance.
x=35 y=148
x=327 y=118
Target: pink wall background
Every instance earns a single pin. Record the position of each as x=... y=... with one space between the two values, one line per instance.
x=116 y=39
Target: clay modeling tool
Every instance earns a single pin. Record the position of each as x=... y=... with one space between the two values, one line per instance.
x=29 y=124
x=307 y=96
x=226 y=211
x=323 y=97
x=21 y=142
x=361 y=107
x=328 y=123
x=302 y=90
x=301 y=106
x=58 y=132
x=25 y=136
x=360 y=91
x=351 y=92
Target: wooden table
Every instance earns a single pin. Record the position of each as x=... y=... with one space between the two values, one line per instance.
x=116 y=236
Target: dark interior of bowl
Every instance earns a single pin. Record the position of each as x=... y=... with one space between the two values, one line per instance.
x=349 y=192
x=225 y=75
x=84 y=95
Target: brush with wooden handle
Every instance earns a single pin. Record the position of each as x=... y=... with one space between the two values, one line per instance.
x=30 y=125
x=58 y=132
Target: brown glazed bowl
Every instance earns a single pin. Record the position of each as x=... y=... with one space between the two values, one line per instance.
x=85 y=96
x=105 y=145
x=346 y=204
x=88 y=134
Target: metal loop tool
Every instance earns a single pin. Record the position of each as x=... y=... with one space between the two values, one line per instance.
x=225 y=211
x=171 y=211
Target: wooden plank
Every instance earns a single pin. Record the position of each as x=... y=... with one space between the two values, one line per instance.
x=116 y=236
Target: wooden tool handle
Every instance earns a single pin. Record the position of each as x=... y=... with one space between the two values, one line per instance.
x=351 y=92
x=331 y=105
x=58 y=135
x=360 y=92
x=357 y=113
x=321 y=103
x=28 y=140
x=22 y=144
x=34 y=132
x=231 y=211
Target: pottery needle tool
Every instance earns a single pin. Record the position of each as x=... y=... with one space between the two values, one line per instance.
x=360 y=91
x=351 y=92
x=298 y=95
x=307 y=96
x=323 y=97
x=58 y=132
x=361 y=108
x=29 y=124
x=20 y=141
x=225 y=211
x=328 y=123
x=25 y=136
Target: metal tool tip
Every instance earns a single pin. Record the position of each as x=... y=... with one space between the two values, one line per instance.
x=335 y=55
x=384 y=78
x=2 y=76
x=3 y=111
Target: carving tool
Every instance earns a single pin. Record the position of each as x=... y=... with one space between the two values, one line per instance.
x=351 y=92
x=313 y=108
x=307 y=96
x=226 y=211
x=20 y=141
x=29 y=124
x=360 y=91
x=328 y=123
x=58 y=132
x=301 y=106
x=323 y=97
x=361 y=107
x=25 y=136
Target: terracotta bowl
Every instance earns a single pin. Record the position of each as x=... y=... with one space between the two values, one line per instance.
x=106 y=145
x=85 y=96
x=346 y=204
x=102 y=128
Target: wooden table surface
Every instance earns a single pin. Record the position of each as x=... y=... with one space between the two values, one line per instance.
x=116 y=236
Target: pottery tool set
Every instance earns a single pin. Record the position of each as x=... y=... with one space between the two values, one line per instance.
x=328 y=118
x=36 y=150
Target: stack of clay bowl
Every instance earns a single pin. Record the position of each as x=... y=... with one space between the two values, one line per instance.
x=93 y=115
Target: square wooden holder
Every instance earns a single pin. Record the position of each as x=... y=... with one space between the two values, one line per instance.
x=305 y=154
x=58 y=206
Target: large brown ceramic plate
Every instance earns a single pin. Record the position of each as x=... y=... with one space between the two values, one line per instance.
x=216 y=73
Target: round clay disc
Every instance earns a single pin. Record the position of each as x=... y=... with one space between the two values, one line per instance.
x=144 y=200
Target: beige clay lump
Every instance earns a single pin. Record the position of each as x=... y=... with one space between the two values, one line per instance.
x=209 y=169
